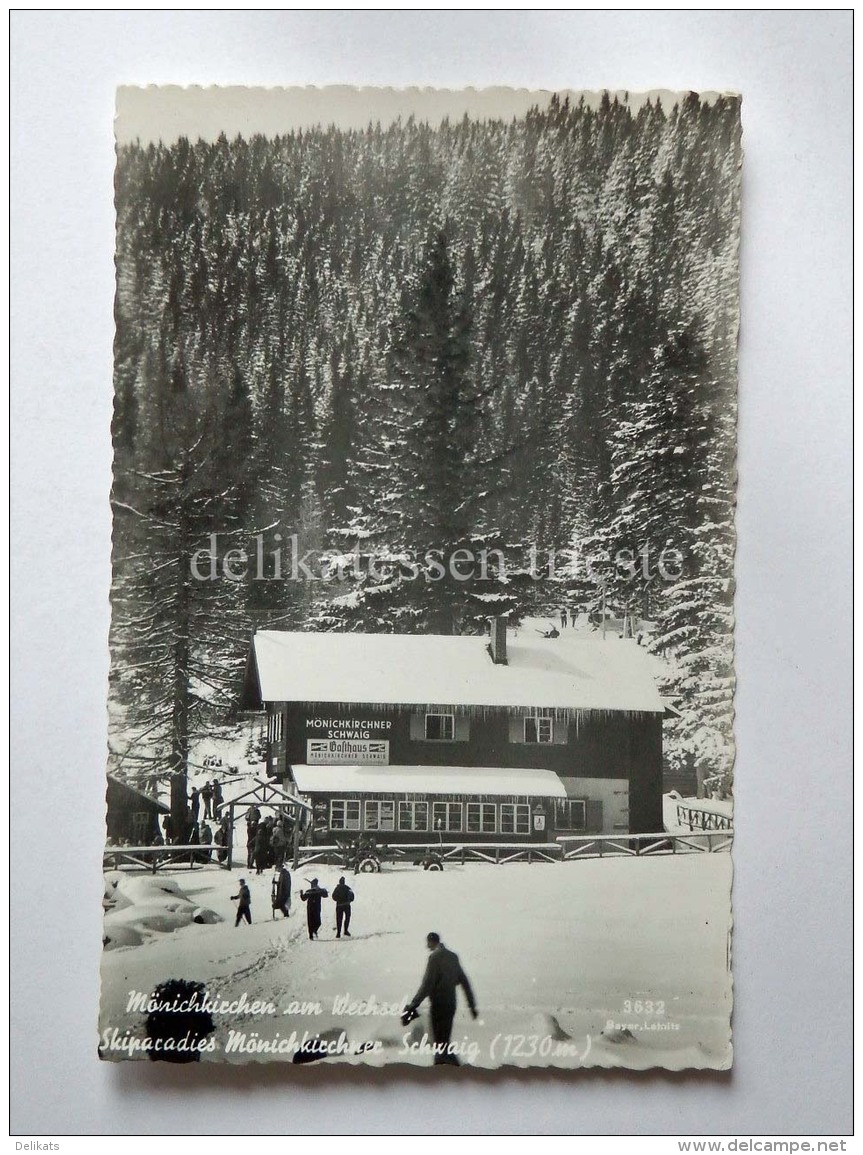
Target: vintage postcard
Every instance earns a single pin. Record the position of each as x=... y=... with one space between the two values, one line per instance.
x=421 y=700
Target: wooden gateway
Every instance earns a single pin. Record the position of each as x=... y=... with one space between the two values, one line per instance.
x=512 y=738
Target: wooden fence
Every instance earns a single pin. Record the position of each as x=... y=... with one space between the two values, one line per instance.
x=188 y=856
x=418 y=852
x=698 y=819
x=643 y=845
x=566 y=849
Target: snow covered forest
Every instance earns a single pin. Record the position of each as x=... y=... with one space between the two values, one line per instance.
x=411 y=338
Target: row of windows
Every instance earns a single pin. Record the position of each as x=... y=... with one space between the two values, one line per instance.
x=570 y=814
x=441 y=728
x=446 y=817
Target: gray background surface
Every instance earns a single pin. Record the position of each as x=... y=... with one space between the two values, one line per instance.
x=793 y=867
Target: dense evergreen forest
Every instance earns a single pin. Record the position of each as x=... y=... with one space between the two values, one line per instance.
x=481 y=335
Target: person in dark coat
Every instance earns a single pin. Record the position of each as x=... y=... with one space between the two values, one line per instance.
x=252 y=823
x=194 y=838
x=221 y=839
x=283 y=891
x=262 y=848
x=206 y=841
x=563 y=618
x=343 y=896
x=278 y=846
x=194 y=803
x=312 y=898
x=207 y=795
x=244 y=910
x=218 y=800
x=253 y=819
x=443 y=974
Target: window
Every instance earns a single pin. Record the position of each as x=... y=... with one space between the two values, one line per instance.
x=570 y=814
x=514 y=818
x=481 y=818
x=344 y=815
x=538 y=729
x=142 y=825
x=413 y=816
x=274 y=727
x=380 y=816
x=447 y=816
x=440 y=727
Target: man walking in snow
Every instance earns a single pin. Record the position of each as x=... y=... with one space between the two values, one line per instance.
x=443 y=975
x=312 y=898
x=244 y=910
x=343 y=896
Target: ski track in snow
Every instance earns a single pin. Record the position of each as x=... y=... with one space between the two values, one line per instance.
x=568 y=940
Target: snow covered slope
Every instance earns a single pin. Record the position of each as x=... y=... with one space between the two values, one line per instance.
x=619 y=962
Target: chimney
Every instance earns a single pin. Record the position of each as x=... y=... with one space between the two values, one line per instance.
x=497 y=647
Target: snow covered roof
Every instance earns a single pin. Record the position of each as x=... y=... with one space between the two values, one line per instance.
x=567 y=672
x=427 y=780
x=123 y=784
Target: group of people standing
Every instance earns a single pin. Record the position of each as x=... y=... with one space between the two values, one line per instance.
x=211 y=796
x=194 y=833
x=196 y=828
x=268 y=840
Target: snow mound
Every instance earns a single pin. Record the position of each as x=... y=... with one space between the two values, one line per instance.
x=622 y=1048
x=547 y=1025
x=143 y=906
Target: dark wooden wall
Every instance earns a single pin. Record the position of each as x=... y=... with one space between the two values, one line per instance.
x=612 y=745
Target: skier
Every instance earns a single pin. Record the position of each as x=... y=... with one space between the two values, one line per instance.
x=244 y=910
x=207 y=795
x=282 y=891
x=443 y=975
x=312 y=898
x=343 y=896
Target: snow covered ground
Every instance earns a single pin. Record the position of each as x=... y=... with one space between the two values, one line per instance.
x=620 y=962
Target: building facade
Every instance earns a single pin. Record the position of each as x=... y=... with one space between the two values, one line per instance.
x=132 y=815
x=418 y=738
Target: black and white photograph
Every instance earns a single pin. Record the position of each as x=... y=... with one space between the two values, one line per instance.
x=422 y=639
